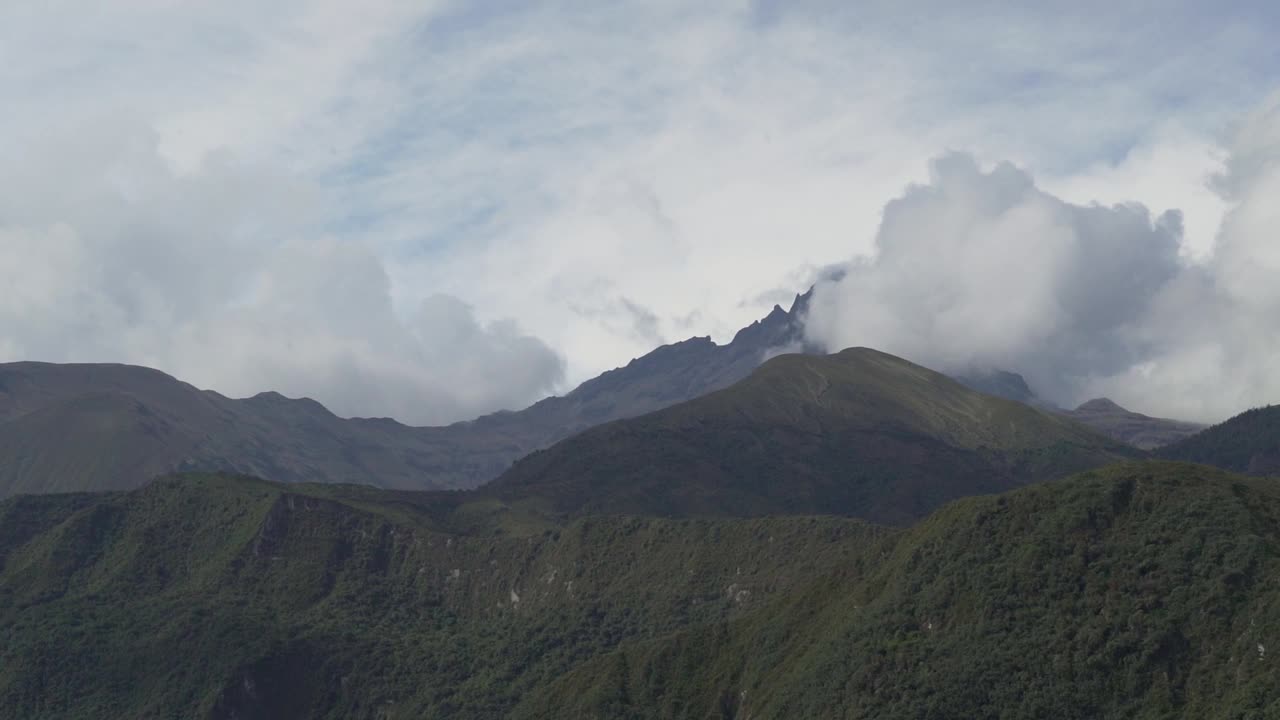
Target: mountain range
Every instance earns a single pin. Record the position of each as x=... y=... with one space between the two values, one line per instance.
x=845 y=536
x=107 y=427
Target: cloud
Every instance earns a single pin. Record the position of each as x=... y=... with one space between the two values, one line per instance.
x=981 y=269
x=607 y=176
x=202 y=274
x=691 y=158
x=1216 y=339
x=1170 y=168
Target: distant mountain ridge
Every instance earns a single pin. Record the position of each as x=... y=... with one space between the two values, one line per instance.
x=102 y=426
x=96 y=427
x=1141 y=431
x=1101 y=414
x=663 y=377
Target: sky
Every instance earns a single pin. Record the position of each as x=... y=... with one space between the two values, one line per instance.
x=431 y=210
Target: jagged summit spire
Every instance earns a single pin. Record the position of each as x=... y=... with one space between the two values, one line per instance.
x=800 y=306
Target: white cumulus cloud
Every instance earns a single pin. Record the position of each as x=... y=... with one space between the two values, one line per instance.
x=108 y=254
x=980 y=269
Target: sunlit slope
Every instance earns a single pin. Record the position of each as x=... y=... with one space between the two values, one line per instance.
x=858 y=433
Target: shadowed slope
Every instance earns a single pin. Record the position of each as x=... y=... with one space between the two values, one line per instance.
x=1247 y=443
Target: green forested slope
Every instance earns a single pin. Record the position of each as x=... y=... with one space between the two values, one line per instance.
x=1147 y=591
x=1142 y=590
x=1247 y=443
x=223 y=597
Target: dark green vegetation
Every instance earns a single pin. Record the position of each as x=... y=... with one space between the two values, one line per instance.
x=703 y=561
x=1136 y=429
x=1141 y=591
x=1247 y=443
x=109 y=427
x=858 y=433
x=221 y=597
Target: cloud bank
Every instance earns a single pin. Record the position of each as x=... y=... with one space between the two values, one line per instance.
x=106 y=254
x=981 y=269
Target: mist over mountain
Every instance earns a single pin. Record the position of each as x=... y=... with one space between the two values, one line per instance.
x=1141 y=431
x=1005 y=384
x=94 y=427
x=639 y=361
